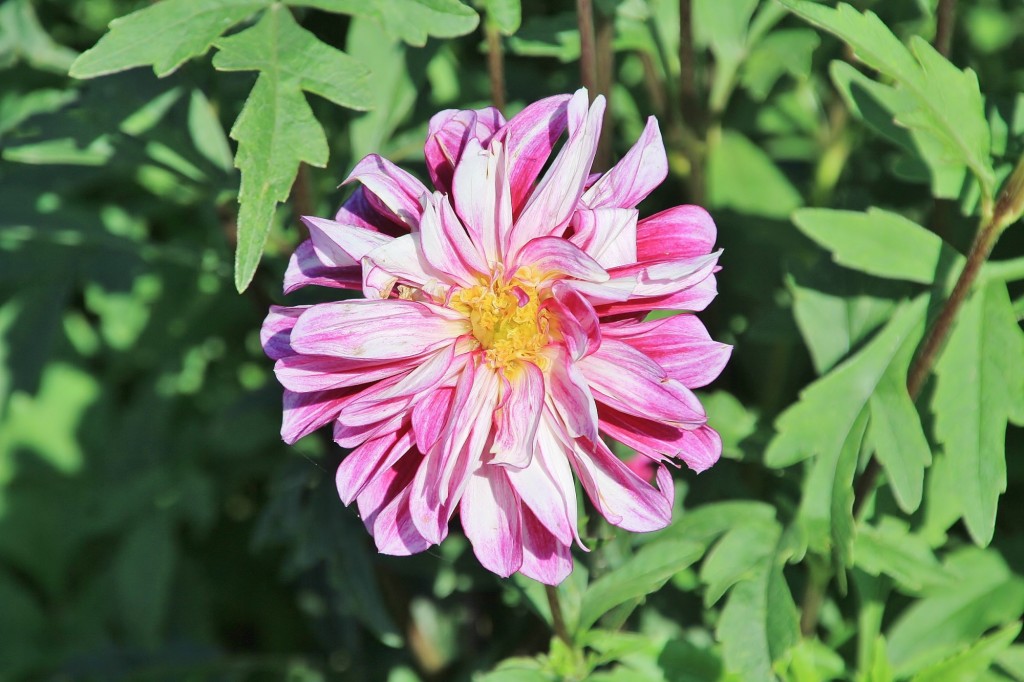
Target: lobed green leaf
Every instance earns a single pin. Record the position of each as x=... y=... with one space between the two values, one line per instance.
x=413 y=21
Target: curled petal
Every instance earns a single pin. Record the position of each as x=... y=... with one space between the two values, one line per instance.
x=357 y=211
x=492 y=519
x=545 y=558
x=275 y=334
x=528 y=138
x=446 y=245
x=304 y=413
x=447 y=136
x=392 y=191
x=305 y=268
x=629 y=182
x=681 y=345
x=699 y=447
x=554 y=256
x=678 y=232
x=607 y=234
x=571 y=398
x=341 y=246
x=361 y=466
x=519 y=416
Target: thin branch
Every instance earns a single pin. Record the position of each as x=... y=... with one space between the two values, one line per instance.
x=557 y=619
x=588 y=58
x=945 y=20
x=689 y=104
x=604 y=60
x=495 y=65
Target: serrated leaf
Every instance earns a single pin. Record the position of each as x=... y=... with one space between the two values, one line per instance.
x=970 y=664
x=896 y=433
x=877 y=104
x=979 y=377
x=164 y=35
x=277 y=130
x=507 y=15
x=987 y=594
x=413 y=21
x=759 y=622
x=644 y=573
x=891 y=549
x=947 y=103
x=879 y=243
x=742 y=177
x=23 y=37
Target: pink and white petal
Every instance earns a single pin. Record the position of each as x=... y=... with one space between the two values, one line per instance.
x=492 y=520
x=559 y=258
x=306 y=373
x=341 y=246
x=627 y=380
x=394 y=532
x=275 y=334
x=357 y=211
x=607 y=234
x=446 y=245
x=692 y=299
x=388 y=398
x=306 y=269
x=668 y=277
x=361 y=466
x=681 y=345
x=640 y=171
x=304 y=413
x=546 y=486
x=551 y=205
x=483 y=200
x=575 y=319
x=529 y=138
x=699 y=448
x=622 y=497
x=617 y=290
x=402 y=261
x=571 y=398
x=447 y=135
x=545 y=558
x=391 y=190
x=429 y=416
x=518 y=417
x=678 y=232
x=376 y=330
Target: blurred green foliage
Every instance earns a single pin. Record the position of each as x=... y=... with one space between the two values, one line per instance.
x=154 y=527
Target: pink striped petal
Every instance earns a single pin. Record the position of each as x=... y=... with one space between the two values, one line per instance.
x=545 y=558
x=668 y=277
x=483 y=199
x=678 y=232
x=447 y=135
x=306 y=269
x=607 y=234
x=304 y=413
x=571 y=397
x=681 y=345
x=376 y=330
x=392 y=191
x=692 y=299
x=576 y=319
x=445 y=244
x=622 y=497
x=306 y=373
x=354 y=436
x=492 y=519
x=394 y=533
x=699 y=448
x=341 y=246
x=642 y=169
x=518 y=417
x=361 y=466
x=429 y=416
x=546 y=486
x=528 y=138
x=401 y=261
x=357 y=211
x=552 y=203
x=627 y=380
x=275 y=334
x=557 y=257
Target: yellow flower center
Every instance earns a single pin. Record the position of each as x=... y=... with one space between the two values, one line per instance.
x=507 y=320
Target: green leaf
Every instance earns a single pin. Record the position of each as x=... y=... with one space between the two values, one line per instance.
x=759 y=623
x=879 y=243
x=970 y=664
x=946 y=103
x=23 y=37
x=413 y=21
x=277 y=130
x=891 y=549
x=896 y=433
x=980 y=376
x=207 y=132
x=987 y=594
x=742 y=177
x=144 y=568
x=737 y=555
x=877 y=104
x=780 y=52
x=164 y=35
x=641 y=575
x=507 y=15
x=703 y=524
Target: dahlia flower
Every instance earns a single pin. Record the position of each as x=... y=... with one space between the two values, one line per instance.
x=501 y=331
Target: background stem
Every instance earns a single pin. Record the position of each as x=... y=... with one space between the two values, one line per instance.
x=495 y=65
x=557 y=619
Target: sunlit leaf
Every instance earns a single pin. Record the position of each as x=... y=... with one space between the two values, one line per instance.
x=742 y=177
x=413 y=21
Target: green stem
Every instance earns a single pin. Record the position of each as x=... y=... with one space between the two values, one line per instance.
x=557 y=619
x=588 y=59
x=495 y=65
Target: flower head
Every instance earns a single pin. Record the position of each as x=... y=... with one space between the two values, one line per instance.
x=501 y=331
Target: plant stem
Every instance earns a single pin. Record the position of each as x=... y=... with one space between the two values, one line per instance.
x=604 y=63
x=945 y=19
x=929 y=350
x=495 y=65
x=689 y=106
x=557 y=619
x=588 y=59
